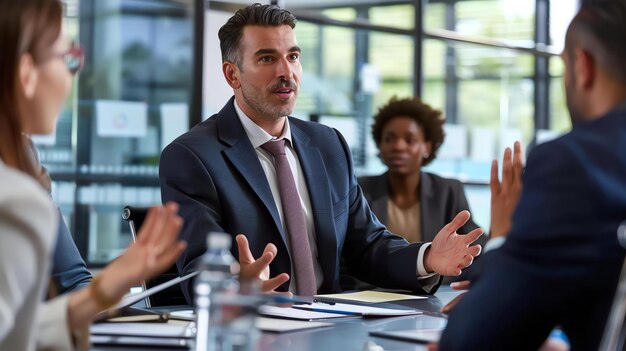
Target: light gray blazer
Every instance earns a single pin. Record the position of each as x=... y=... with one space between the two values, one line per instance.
x=28 y=227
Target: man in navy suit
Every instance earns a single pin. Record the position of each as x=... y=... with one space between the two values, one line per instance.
x=561 y=260
x=225 y=181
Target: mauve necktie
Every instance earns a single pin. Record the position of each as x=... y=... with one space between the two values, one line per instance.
x=294 y=219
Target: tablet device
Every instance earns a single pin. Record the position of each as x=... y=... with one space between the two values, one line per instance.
x=132 y=299
x=422 y=336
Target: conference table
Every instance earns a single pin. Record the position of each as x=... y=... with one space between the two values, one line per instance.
x=350 y=334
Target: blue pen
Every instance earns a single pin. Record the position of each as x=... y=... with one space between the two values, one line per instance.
x=330 y=311
x=327 y=310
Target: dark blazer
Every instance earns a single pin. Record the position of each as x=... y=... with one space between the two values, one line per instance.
x=214 y=174
x=561 y=261
x=440 y=200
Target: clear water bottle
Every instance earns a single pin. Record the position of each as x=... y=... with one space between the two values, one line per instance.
x=225 y=318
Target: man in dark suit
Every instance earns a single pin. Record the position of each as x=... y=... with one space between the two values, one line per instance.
x=561 y=260
x=225 y=180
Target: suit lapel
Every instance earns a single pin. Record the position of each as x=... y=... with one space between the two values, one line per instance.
x=380 y=197
x=243 y=157
x=314 y=171
x=427 y=207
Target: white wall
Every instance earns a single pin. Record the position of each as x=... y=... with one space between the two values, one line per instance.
x=216 y=91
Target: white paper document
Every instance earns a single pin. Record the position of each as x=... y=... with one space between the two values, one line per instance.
x=184 y=315
x=294 y=313
x=358 y=310
x=275 y=325
x=371 y=296
x=171 y=329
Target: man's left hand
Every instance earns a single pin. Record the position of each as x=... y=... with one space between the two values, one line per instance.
x=450 y=252
x=259 y=268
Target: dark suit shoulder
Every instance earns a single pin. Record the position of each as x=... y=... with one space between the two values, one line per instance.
x=316 y=131
x=328 y=141
x=368 y=182
x=374 y=188
x=208 y=132
x=199 y=133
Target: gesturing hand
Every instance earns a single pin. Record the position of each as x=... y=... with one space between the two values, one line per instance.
x=505 y=194
x=450 y=252
x=251 y=268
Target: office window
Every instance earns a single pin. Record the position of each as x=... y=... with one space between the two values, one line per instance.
x=559 y=115
x=328 y=70
x=398 y=16
x=484 y=92
x=130 y=99
x=512 y=20
x=349 y=73
x=561 y=13
x=392 y=55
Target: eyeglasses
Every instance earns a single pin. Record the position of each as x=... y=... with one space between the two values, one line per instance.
x=74 y=58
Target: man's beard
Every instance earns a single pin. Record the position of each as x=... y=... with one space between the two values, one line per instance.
x=255 y=99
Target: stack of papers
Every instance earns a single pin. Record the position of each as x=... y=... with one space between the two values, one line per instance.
x=172 y=334
x=370 y=296
x=171 y=329
x=322 y=311
x=323 y=306
x=297 y=314
x=275 y=325
x=358 y=310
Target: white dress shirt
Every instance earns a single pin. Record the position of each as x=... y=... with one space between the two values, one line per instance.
x=258 y=137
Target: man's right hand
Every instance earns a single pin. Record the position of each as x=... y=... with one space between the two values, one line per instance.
x=506 y=193
x=450 y=252
x=251 y=268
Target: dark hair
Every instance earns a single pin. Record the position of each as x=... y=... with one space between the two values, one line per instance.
x=254 y=15
x=426 y=117
x=600 y=28
x=26 y=27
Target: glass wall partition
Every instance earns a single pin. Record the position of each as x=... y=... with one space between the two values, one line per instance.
x=489 y=65
x=131 y=99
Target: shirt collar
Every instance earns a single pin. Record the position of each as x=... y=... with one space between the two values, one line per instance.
x=256 y=134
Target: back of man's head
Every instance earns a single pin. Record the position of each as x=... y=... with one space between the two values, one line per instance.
x=254 y=15
x=600 y=29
